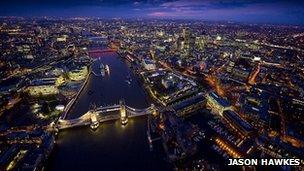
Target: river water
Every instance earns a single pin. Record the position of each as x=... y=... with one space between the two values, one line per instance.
x=112 y=146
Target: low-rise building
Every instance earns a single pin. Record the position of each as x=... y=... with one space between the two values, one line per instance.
x=189 y=105
x=168 y=82
x=217 y=103
x=43 y=86
x=78 y=74
x=237 y=123
x=149 y=64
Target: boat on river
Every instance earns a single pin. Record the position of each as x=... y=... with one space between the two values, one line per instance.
x=102 y=69
x=107 y=69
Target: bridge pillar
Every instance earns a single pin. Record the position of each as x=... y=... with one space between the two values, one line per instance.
x=94 y=122
x=123 y=112
x=154 y=110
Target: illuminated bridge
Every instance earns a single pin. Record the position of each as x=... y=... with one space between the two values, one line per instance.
x=98 y=52
x=103 y=114
x=102 y=50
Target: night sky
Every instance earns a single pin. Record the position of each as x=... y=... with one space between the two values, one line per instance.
x=262 y=11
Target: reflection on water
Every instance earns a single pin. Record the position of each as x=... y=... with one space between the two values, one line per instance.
x=112 y=146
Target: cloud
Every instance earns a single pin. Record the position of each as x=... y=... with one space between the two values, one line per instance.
x=158 y=14
x=239 y=10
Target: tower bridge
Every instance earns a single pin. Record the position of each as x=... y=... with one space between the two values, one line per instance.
x=101 y=114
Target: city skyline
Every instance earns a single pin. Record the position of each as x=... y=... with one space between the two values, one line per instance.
x=252 y=11
x=152 y=85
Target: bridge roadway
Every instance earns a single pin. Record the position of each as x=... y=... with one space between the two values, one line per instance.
x=102 y=50
x=101 y=115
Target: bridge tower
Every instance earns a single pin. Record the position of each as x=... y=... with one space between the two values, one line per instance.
x=154 y=110
x=123 y=112
x=94 y=122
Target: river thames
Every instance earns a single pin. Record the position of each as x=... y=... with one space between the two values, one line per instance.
x=112 y=146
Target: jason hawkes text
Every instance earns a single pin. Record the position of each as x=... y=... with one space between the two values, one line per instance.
x=264 y=162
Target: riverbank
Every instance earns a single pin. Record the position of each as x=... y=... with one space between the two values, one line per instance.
x=112 y=146
x=72 y=102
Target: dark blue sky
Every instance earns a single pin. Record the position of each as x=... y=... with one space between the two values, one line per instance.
x=265 y=11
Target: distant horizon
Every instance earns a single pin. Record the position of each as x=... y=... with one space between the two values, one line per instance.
x=249 y=11
x=156 y=19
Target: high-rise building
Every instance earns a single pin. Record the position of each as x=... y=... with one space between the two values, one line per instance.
x=191 y=45
x=180 y=43
x=186 y=36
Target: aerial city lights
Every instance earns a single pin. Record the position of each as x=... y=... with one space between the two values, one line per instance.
x=164 y=91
